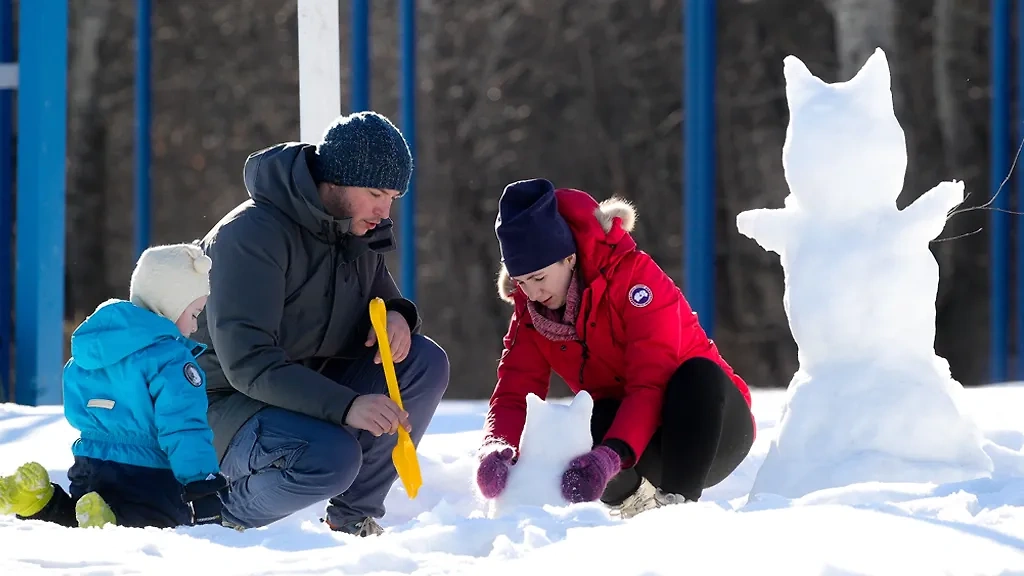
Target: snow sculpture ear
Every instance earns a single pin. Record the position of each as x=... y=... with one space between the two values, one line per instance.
x=873 y=83
x=801 y=85
x=582 y=405
x=874 y=75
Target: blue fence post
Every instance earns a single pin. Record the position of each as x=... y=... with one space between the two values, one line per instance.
x=6 y=202
x=143 y=142
x=999 y=164
x=407 y=233
x=699 y=63
x=1019 y=180
x=360 y=55
x=39 y=295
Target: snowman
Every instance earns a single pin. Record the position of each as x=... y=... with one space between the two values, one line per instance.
x=871 y=400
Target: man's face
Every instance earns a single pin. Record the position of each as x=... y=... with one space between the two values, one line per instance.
x=365 y=206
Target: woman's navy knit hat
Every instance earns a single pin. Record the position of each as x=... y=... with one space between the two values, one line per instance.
x=531 y=233
x=363 y=149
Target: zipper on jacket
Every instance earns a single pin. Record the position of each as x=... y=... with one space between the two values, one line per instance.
x=332 y=249
x=585 y=353
x=583 y=364
x=334 y=272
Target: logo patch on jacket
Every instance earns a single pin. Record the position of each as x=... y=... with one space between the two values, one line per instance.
x=192 y=374
x=640 y=295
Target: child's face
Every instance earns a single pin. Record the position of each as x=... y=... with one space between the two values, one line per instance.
x=187 y=323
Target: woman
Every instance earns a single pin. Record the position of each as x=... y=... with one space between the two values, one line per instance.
x=670 y=416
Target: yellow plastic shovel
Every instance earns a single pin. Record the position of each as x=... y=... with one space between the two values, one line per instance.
x=404 y=454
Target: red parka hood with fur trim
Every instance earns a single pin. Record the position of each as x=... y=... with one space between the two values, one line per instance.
x=635 y=329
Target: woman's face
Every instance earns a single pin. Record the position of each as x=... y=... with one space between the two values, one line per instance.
x=549 y=285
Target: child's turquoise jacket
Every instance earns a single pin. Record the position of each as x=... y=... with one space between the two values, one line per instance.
x=135 y=392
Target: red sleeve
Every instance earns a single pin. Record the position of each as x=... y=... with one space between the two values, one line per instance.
x=521 y=370
x=658 y=327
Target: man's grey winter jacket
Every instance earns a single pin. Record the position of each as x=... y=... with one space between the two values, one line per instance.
x=290 y=287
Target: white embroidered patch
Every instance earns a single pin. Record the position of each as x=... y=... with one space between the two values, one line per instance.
x=192 y=375
x=101 y=403
x=640 y=295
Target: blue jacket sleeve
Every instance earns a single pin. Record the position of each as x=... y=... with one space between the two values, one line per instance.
x=179 y=400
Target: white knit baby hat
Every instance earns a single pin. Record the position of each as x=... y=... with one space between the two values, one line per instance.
x=168 y=278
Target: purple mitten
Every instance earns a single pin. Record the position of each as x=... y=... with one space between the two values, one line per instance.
x=587 y=475
x=492 y=474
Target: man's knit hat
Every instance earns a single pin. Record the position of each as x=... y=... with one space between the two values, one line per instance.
x=168 y=278
x=363 y=149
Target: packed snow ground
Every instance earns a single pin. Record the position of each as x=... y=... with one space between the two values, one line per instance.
x=973 y=527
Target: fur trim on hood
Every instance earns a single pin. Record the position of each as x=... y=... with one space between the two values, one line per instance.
x=605 y=214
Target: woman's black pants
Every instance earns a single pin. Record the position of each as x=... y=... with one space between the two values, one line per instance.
x=706 y=431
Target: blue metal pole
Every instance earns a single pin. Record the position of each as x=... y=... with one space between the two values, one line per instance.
x=142 y=125
x=360 y=55
x=6 y=203
x=407 y=234
x=1019 y=180
x=999 y=164
x=699 y=159
x=42 y=142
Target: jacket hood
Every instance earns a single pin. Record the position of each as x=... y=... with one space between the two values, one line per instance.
x=118 y=329
x=601 y=230
x=280 y=176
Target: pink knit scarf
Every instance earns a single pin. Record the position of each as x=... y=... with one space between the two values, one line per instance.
x=550 y=324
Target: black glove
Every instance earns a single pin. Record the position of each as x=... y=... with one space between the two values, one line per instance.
x=203 y=496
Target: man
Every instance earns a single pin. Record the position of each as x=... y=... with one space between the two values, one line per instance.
x=297 y=398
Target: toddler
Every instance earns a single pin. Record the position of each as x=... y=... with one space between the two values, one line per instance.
x=134 y=391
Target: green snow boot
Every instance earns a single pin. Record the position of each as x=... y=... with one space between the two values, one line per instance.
x=92 y=511
x=25 y=492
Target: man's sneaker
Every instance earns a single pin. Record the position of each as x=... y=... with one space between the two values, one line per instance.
x=25 y=492
x=92 y=511
x=228 y=524
x=362 y=527
x=646 y=497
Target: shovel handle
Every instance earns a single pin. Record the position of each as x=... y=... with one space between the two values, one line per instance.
x=404 y=454
x=379 y=319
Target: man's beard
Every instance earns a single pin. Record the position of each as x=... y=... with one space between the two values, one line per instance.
x=338 y=206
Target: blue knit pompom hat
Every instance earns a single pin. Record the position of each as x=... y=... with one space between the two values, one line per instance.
x=366 y=150
x=531 y=232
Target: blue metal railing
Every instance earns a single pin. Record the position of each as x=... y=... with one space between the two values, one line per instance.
x=999 y=164
x=407 y=223
x=39 y=287
x=143 y=124
x=1019 y=315
x=6 y=202
x=699 y=62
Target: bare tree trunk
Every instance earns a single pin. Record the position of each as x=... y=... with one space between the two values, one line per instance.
x=946 y=107
x=86 y=193
x=945 y=95
x=861 y=27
